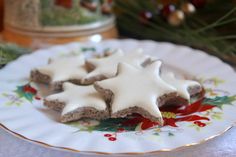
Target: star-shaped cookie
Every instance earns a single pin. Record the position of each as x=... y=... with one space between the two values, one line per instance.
x=77 y=102
x=59 y=70
x=136 y=90
x=185 y=88
x=106 y=67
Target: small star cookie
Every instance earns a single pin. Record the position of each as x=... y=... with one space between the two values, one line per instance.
x=185 y=88
x=77 y=102
x=136 y=90
x=106 y=67
x=59 y=70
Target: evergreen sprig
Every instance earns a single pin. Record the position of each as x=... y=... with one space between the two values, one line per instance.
x=9 y=52
x=211 y=28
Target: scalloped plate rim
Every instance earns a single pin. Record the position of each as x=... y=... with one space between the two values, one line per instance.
x=129 y=153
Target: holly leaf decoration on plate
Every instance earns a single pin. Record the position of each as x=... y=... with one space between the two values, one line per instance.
x=26 y=91
x=114 y=125
x=219 y=101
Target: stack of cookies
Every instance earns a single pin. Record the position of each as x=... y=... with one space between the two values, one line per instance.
x=113 y=86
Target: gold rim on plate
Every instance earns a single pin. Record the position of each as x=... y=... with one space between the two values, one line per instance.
x=105 y=153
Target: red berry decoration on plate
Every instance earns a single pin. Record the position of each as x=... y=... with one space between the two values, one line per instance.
x=112 y=138
x=200 y=124
x=107 y=135
x=37 y=98
x=29 y=89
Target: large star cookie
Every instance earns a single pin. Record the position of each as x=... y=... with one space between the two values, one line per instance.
x=136 y=90
x=106 y=67
x=70 y=68
x=77 y=102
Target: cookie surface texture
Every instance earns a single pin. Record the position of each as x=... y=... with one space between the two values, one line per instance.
x=106 y=67
x=79 y=102
x=60 y=70
x=136 y=90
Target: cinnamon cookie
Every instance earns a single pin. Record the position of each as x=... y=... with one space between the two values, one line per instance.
x=106 y=67
x=60 y=70
x=77 y=102
x=136 y=90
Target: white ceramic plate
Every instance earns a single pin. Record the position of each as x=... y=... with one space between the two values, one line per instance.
x=23 y=114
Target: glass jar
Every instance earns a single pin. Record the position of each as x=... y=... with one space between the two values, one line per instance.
x=39 y=23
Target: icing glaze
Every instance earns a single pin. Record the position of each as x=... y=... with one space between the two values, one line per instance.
x=107 y=66
x=139 y=87
x=181 y=85
x=76 y=97
x=133 y=85
x=64 y=68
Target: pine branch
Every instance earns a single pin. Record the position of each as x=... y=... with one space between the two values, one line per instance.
x=9 y=52
x=210 y=29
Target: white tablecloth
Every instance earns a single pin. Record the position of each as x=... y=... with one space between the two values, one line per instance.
x=222 y=146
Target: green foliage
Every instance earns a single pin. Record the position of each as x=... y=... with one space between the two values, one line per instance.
x=170 y=134
x=46 y=3
x=84 y=49
x=113 y=124
x=219 y=101
x=60 y=16
x=9 y=52
x=217 y=115
x=211 y=28
x=13 y=99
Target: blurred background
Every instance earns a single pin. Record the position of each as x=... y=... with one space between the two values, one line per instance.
x=209 y=25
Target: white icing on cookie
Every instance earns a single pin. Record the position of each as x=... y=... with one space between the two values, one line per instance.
x=65 y=68
x=180 y=84
x=107 y=66
x=76 y=97
x=139 y=87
